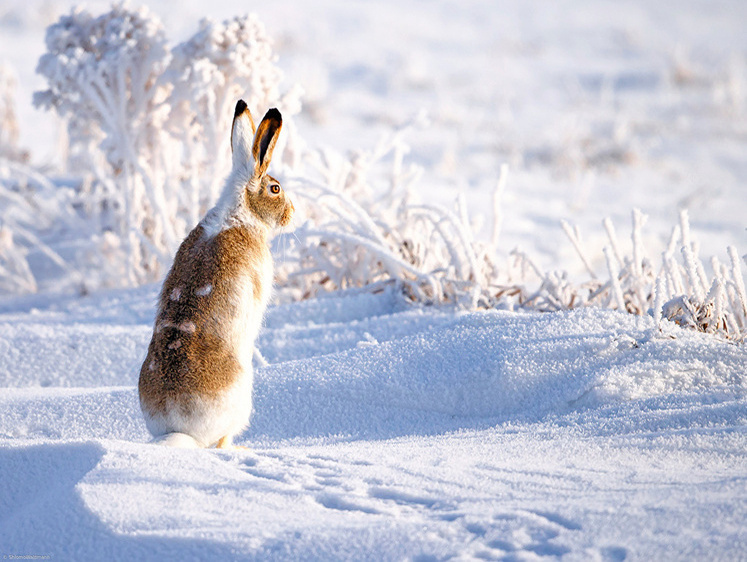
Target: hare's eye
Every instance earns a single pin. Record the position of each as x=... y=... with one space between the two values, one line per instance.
x=274 y=188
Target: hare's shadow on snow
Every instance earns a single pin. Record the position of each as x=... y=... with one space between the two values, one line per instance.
x=42 y=513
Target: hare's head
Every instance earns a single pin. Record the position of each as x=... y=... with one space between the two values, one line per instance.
x=252 y=149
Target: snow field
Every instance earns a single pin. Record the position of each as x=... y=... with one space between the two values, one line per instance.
x=386 y=432
x=473 y=494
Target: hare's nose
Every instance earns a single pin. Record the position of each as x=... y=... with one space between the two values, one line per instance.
x=287 y=213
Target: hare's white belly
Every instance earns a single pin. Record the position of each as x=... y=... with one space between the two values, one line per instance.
x=228 y=414
x=248 y=319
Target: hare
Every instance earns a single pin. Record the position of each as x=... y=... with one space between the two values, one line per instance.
x=195 y=384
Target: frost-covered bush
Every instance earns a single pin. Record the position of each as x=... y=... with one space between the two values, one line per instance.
x=150 y=123
x=32 y=210
x=103 y=77
x=15 y=273
x=678 y=289
x=366 y=228
x=8 y=120
x=30 y=205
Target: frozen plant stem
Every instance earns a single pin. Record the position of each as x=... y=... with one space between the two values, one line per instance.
x=614 y=279
x=659 y=300
x=500 y=188
x=575 y=240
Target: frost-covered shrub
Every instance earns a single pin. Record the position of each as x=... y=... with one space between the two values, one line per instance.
x=685 y=295
x=15 y=273
x=32 y=210
x=8 y=121
x=366 y=228
x=103 y=77
x=678 y=289
x=150 y=124
x=364 y=231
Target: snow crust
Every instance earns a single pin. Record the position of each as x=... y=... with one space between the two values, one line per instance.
x=382 y=432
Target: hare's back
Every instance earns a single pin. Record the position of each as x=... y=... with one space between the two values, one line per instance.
x=204 y=319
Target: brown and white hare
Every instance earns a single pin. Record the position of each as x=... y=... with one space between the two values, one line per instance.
x=196 y=382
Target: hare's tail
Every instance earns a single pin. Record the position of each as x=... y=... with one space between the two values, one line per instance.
x=176 y=439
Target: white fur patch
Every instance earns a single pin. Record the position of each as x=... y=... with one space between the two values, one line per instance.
x=204 y=291
x=188 y=327
x=231 y=209
x=175 y=345
x=176 y=294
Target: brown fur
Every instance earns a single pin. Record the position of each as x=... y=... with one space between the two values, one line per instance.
x=203 y=363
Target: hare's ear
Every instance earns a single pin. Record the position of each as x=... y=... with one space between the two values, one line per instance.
x=264 y=141
x=242 y=133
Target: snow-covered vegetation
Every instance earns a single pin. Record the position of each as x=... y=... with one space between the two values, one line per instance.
x=498 y=330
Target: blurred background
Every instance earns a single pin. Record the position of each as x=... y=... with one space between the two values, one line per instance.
x=597 y=107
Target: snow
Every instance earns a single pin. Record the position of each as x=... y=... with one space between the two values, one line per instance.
x=382 y=432
x=386 y=431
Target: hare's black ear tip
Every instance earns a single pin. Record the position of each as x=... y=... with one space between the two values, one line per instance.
x=240 y=108
x=274 y=114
